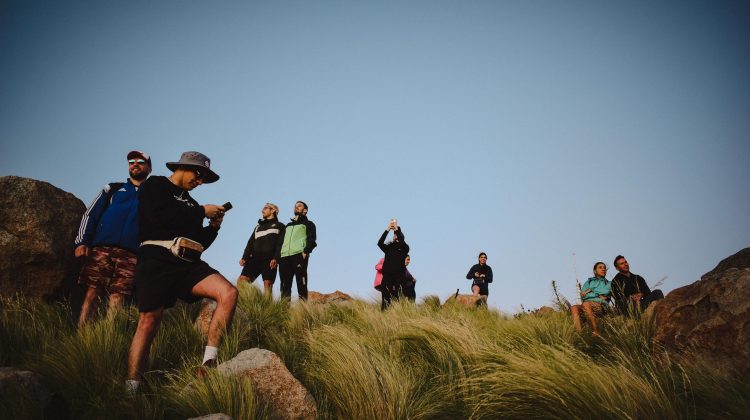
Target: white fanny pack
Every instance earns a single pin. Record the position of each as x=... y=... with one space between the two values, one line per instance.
x=182 y=248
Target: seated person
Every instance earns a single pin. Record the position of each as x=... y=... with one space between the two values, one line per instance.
x=630 y=291
x=595 y=294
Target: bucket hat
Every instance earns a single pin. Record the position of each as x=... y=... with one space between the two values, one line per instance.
x=196 y=159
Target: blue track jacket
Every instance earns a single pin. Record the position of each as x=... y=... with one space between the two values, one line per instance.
x=113 y=225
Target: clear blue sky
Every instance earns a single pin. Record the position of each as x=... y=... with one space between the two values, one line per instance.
x=526 y=129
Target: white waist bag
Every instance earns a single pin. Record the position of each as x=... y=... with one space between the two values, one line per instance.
x=182 y=248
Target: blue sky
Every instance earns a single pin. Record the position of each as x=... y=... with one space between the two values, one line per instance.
x=526 y=129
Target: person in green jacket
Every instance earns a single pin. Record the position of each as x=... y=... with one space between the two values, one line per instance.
x=299 y=242
x=595 y=294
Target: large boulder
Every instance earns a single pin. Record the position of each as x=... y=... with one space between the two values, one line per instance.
x=286 y=396
x=202 y=322
x=711 y=317
x=470 y=301
x=206 y=314
x=544 y=310
x=739 y=260
x=23 y=384
x=335 y=297
x=38 y=224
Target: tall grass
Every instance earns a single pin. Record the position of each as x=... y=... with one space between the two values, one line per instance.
x=562 y=382
x=216 y=393
x=411 y=361
x=28 y=328
x=90 y=362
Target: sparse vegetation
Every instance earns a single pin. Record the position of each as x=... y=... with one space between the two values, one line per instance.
x=412 y=361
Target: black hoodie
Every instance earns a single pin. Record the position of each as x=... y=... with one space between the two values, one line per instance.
x=265 y=241
x=395 y=253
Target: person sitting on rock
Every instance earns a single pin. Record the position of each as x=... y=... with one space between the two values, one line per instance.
x=630 y=291
x=595 y=294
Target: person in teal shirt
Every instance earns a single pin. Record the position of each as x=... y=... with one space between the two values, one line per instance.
x=595 y=294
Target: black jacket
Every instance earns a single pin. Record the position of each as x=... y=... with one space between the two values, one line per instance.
x=395 y=253
x=479 y=281
x=167 y=211
x=265 y=241
x=624 y=286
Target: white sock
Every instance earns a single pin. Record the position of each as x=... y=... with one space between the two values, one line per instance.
x=211 y=353
x=132 y=386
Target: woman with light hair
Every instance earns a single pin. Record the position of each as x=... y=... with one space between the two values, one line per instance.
x=263 y=250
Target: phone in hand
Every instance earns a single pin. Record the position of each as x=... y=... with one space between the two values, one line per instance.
x=227 y=206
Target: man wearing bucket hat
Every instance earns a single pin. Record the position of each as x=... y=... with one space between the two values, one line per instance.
x=169 y=265
x=107 y=239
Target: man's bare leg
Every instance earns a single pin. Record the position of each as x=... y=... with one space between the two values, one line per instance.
x=115 y=302
x=148 y=325
x=217 y=287
x=268 y=287
x=90 y=303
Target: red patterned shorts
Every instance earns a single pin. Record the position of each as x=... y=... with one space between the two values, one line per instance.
x=109 y=268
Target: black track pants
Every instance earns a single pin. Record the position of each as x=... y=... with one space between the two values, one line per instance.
x=391 y=289
x=289 y=267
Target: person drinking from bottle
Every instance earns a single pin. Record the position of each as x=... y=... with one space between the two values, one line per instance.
x=394 y=264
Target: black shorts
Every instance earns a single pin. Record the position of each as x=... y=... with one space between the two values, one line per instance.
x=159 y=283
x=259 y=266
x=484 y=289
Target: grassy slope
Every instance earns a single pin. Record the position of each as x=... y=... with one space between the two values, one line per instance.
x=413 y=361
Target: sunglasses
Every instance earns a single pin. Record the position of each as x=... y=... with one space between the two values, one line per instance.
x=138 y=161
x=198 y=173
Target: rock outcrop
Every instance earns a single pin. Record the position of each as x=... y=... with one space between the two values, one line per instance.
x=335 y=297
x=544 y=310
x=38 y=224
x=218 y=416
x=710 y=317
x=471 y=301
x=31 y=386
x=203 y=321
x=208 y=306
x=286 y=396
